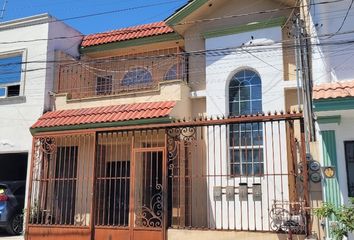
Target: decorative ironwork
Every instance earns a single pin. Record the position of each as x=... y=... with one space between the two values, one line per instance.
x=47 y=145
x=151 y=216
x=174 y=137
x=288 y=217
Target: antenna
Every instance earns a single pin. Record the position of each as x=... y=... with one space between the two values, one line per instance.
x=2 y=11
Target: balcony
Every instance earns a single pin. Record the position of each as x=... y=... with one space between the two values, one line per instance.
x=121 y=74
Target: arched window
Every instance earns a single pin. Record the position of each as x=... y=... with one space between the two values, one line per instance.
x=246 y=139
x=137 y=76
x=172 y=73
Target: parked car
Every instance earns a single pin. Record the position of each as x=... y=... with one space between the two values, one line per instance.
x=12 y=196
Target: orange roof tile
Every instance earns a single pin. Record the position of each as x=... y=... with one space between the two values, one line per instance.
x=334 y=90
x=123 y=34
x=107 y=114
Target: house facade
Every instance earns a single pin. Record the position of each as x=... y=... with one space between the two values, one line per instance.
x=186 y=128
x=26 y=76
x=333 y=96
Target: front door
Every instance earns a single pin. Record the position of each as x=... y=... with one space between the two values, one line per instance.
x=129 y=189
x=148 y=211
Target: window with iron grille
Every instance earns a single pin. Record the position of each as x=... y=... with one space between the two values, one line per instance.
x=246 y=139
x=137 y=76
x=10 y=75
x=104 y=85
x=174 y=72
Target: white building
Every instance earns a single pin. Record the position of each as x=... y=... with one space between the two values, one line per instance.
x=27 y=49
x=333 y=72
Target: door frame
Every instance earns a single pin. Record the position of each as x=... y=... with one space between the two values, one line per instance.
x=132 y=228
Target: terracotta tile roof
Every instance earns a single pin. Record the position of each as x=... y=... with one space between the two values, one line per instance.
x=334 y=90
x=107 y=114
x=123 y=34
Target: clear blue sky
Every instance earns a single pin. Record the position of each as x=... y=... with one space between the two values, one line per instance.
x=62 y=9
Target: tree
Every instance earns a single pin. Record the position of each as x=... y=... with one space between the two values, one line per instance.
x=343 y=215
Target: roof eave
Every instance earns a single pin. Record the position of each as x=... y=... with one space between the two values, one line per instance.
x=184 y=12
x=147 y=121
x=173 y=36
x=333 y=104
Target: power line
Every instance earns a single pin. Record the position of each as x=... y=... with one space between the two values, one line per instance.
x=344 y=19
x=108 y=34
x=2 y=11
x=218 y=52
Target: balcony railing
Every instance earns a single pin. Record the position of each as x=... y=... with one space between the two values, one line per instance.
x=123 y=74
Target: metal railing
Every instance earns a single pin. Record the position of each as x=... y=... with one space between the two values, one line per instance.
x=121 y=74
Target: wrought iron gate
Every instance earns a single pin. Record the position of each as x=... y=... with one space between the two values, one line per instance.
x=246 y=173
x=130 y=185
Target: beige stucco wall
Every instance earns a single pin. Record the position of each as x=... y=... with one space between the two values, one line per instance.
x=194 y=40
x=168 y=91
x=174 y=234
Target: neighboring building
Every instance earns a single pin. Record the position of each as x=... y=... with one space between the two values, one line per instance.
x=27 y=48
x=333 y=76
x=159 y=132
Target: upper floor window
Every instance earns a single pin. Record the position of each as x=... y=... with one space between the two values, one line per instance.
x=246 y=139
x=174 y=72
x=104 y=85
x=137 y=76
x=10 y=75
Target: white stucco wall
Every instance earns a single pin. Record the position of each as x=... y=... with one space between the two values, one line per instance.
x=343 y=132
x=17 y=115
x=268 y=63
x=338 y=58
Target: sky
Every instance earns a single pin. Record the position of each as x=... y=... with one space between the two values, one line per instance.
x=124 y=15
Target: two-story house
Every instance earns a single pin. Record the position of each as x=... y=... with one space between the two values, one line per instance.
x=176 y=129
x=27 y=49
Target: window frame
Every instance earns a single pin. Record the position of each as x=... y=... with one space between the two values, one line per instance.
x=240 y=147
x=107 y=90
x=137 y=83
x=21 y=82
x=347 y=165
x=177 y=70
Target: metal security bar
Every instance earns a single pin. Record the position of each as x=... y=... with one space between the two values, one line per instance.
x=228 y=176
x=60 y=180
x=246 y=173
x=121 y=74
x=113 y=179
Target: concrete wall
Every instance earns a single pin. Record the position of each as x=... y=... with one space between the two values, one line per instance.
x=19 y=113
x=332 y=62
x=194 y=40
x=168 y=91
x=343 y=132
x=174 y=234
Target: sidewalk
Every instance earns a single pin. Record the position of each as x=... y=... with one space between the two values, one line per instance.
x=4 y=236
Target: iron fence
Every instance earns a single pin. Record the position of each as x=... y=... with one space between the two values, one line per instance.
x=246 y=173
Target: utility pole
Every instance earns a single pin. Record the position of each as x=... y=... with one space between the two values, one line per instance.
x=304 y=95
x=3 y=9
